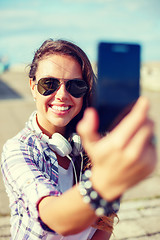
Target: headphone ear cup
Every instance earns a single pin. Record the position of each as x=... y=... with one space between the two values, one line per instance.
x=60 y=145
x=76 y=144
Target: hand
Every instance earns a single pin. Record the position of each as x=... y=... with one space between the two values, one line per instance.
x=124 y=157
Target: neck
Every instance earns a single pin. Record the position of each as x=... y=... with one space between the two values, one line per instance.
x=63 y=161
x=50 y=130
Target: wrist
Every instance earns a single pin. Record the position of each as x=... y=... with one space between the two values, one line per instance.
x=92 y=197
x=104 y=183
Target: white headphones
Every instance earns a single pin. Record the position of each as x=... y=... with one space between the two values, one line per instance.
x=60 y=145
x=63 y=148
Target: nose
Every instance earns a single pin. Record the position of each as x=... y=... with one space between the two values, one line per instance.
x=61 y=92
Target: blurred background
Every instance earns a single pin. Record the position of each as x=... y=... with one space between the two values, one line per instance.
x=25 y=24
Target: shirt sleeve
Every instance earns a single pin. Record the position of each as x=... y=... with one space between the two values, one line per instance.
x=25 y=183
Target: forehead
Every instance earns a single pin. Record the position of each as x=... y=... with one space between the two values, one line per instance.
x=59 y=66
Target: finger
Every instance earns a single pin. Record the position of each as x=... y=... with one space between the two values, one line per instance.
x=140 y=140
x=145 y=155
x=126 y=129
x=141 y=153
x=143 y=169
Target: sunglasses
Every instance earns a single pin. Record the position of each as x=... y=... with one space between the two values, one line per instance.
x=76 y=87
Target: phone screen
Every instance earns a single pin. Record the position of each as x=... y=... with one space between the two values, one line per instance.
x=118 y=81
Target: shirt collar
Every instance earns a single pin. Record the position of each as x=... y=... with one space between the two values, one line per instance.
x=36 y=128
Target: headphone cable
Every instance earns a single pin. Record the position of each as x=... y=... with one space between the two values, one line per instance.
x=74 y=169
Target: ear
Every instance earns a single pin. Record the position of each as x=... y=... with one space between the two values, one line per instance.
x=33 y=87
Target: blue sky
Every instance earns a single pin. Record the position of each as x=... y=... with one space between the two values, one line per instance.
x=24 y=25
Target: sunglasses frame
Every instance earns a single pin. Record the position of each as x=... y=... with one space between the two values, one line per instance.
x=48 y=92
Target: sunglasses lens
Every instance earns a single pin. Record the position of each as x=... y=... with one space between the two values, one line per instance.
x=47 y=86
x=77 y=87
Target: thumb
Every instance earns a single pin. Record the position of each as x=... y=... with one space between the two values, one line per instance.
x=87 y=129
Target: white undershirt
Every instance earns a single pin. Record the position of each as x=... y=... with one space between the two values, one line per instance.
x=65 y=182
x=65 y=179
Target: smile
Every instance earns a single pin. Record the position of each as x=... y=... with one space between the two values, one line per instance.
x=60 y=108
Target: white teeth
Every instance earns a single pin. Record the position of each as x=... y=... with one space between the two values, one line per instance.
x=60 y=108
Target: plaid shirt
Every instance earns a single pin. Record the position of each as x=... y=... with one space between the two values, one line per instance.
x=30 y=172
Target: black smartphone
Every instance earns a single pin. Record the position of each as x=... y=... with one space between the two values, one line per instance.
x=118 y=82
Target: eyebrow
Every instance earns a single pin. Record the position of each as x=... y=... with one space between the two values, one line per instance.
x=61 y=78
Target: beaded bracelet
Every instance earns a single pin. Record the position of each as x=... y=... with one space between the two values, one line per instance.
x=101 y=206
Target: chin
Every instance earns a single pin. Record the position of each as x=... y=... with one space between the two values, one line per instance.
x=61 y=124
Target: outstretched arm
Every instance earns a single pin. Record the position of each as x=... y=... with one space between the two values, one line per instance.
x=120 y=160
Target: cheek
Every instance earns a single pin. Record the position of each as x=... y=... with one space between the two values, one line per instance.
x=41 y=101
x=79 y=103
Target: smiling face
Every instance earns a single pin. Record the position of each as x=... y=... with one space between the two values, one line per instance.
x=55 y=111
